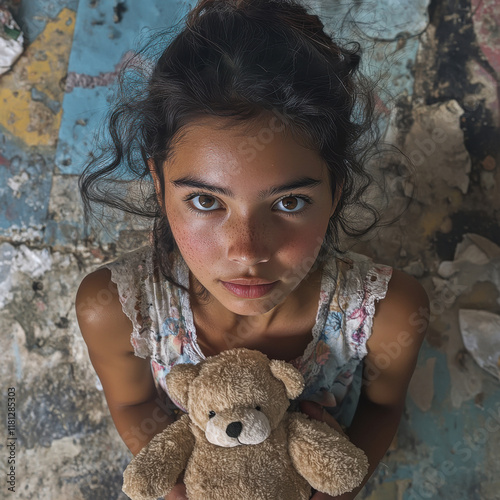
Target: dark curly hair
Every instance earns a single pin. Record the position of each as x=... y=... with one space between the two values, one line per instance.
x=238 y=59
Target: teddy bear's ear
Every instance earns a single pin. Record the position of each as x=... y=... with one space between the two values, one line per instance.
x=289 y=375
x=178 y=381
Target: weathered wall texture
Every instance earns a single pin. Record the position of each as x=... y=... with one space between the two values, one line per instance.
x=440 y=65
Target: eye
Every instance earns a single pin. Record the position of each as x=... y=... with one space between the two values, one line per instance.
x=204 y=202
x=257 y=408
x=211 y=414
x=292 y=204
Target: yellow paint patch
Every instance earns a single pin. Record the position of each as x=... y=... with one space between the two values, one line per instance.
x=431 y=220
x=455 y=197
x=43 y=66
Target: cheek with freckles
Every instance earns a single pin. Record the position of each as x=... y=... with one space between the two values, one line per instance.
x=195 y=242
x=301 y=249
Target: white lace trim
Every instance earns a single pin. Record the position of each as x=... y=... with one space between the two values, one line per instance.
x=328 y=287
x=376 y=290
x=371 y=288
x=125 y=274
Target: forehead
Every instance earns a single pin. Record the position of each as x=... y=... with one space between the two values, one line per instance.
x=214 y=145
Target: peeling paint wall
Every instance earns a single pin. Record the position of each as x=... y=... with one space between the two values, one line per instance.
x=439 y=65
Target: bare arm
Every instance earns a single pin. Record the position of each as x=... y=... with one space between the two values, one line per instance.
x=126 y=379
x=399 y=327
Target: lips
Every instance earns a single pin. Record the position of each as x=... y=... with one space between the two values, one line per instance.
x=251 y=288
x=248 y=281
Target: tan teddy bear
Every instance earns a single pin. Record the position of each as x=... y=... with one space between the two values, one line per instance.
x=238 y=441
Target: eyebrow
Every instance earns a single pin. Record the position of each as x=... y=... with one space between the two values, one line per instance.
x=193 y=182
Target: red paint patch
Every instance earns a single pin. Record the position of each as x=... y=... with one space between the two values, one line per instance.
x=486 y=20
x=4 y=161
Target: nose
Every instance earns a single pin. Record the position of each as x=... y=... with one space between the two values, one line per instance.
x=234 y=429
x=248 y=241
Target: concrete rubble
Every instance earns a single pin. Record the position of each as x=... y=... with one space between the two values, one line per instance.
x=11 y=40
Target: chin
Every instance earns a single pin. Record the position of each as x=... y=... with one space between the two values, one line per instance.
x=251 y=307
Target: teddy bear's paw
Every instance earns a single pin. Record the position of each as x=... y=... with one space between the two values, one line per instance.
x=327 y=459
x=138 y=492
x=349 y=468
x=140 y=487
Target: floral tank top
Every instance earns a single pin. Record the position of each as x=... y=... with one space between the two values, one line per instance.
x=332 y=363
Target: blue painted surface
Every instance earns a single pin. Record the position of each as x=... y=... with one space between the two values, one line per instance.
x=450 y=451
x=84 y=108
x=24 y=207
x=375 y=20
x=32 y=15
x=445 y=447
x=98 y=47
x=388 y=33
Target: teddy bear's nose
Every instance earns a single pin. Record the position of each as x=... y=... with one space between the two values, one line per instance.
x=234 y=429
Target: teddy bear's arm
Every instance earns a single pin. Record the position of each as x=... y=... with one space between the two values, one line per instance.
x=324 y=457
x=154 y=471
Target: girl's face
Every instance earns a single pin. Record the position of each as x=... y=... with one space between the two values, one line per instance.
x=242 y=209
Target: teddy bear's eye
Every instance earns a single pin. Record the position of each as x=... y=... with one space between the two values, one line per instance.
x=211 y=414
x=257 y=408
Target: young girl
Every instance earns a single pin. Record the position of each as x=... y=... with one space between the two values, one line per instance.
x=248 y=130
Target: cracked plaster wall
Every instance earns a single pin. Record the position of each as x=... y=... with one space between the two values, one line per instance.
x=442 y=62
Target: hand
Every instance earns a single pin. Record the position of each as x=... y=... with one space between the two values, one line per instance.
x=318 y=412
x=178 y=492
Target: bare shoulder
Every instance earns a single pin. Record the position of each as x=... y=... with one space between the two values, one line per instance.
x=99 y=313
x=406 y=300
x=106 y=329
x=399 y=327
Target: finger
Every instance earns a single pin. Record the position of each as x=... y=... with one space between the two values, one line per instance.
x=328 y=419
x=178 y=492
x=312 y=409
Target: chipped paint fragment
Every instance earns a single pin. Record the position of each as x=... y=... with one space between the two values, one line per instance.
x=6 y=256
x=476 y=261
x=436 y=138
x=11 y=40
x=35 y=263
x=16 y=182
x=415 y=268
x=481 y=334
x=102 y=80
